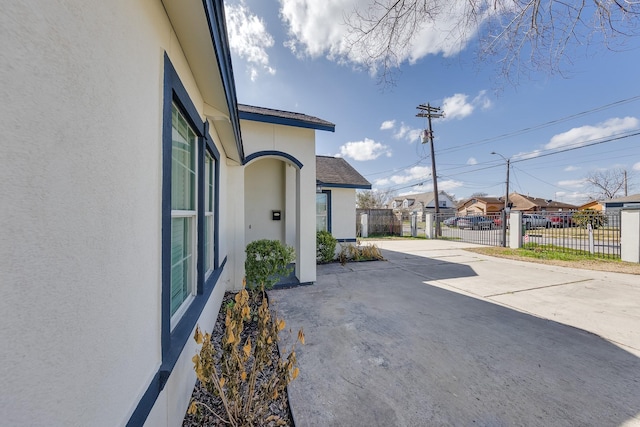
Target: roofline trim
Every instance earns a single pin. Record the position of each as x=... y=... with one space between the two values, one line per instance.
x=256 y=117
x=272 y=153
x=214 y=11
x=355 y=186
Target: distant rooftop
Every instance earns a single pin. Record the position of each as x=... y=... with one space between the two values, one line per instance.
x=287 y=118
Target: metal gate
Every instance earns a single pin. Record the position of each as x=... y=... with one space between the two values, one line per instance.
x=591 y=233
x=479 y=229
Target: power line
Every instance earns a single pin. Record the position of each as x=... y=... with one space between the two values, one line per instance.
x=540 y=126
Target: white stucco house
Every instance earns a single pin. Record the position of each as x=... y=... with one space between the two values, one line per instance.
x=336 y=185
x=421 y=202
x=131 y=181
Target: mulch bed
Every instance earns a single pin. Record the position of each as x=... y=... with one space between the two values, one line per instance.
x=278 y=407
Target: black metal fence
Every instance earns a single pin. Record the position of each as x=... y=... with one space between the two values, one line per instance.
x=584 y=232
x=479 y=229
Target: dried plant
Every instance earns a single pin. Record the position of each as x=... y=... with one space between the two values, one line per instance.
x=243 y=374
x=353 y=253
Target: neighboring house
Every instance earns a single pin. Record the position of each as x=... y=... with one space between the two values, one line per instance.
x=481 y=205
x=593 y=204
x=131 y=182
x=616 y=205
x=337 y=182
x=518 y=202
x=524 y=203
x=421 y=202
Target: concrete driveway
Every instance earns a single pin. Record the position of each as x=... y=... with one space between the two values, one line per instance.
x=438 y=336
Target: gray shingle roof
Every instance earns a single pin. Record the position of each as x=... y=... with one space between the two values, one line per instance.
x=336 y=172
x=627 y=199
x=288 y=118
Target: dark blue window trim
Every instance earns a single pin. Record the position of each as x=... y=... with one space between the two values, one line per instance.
x=328 y=193
x=356 y=186
x=353 y=240
x=173 y=341
x=286 y=121
x=276 y=153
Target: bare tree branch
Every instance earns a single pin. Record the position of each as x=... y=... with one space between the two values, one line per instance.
x=530 y=35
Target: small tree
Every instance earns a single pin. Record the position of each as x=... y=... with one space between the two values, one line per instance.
x=372 y=199
x=589 y=216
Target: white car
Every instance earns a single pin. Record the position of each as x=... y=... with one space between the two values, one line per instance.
x=535 y=221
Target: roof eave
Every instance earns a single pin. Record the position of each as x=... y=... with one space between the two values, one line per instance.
x=286 y=121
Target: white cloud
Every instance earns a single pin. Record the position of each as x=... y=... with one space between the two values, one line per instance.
x=579 y=136
x=249 y=39
x=404 y=131
x=387 y=124
x=577 y=183
x=457 y=106
x=412 y=174
x=526 y=155
x=446 y=185
x=364 y=150
x=636 y=167
x=472 y=161
x=571 y=168
x=317 y=28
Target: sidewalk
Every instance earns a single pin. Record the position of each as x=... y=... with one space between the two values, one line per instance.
x=440 y=336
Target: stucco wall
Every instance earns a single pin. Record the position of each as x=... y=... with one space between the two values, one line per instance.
x=80 y=181
x=343 y=213
x=264 y=191
x=299 y=143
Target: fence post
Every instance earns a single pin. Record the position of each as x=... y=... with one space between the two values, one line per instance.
x=590 y=231
x=630 y=234
x=515 y=229
x=414 y=224
x=428 y=225
x=364 y=225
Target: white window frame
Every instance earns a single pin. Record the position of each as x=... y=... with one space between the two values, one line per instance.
x=193 y=215
x=209 y=209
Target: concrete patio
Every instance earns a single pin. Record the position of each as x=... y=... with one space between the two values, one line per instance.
x=437 y=336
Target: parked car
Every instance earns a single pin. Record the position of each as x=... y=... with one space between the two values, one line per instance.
x=561 y=219
x=478 y=222
x=451 y=222
x=535 y=221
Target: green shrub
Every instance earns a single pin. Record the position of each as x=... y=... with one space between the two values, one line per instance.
x=592 y=216
x=267 y=261
x=325 y=246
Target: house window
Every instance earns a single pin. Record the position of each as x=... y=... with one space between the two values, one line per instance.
x=183 y=211
x=190 y=221
x=405 y=204
x=323 y=211
x=209 y=188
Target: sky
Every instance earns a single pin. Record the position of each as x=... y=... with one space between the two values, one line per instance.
x=556 y=128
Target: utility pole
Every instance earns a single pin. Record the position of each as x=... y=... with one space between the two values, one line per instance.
x=432 y=112
x=506 y=201
x=626 y=188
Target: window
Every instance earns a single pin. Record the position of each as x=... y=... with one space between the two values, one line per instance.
x=209 y=185
x=322 y=206
x=190 y=215
x=323 y=211
x=183 y=210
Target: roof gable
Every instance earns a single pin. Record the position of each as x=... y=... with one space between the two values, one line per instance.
x=336 y=172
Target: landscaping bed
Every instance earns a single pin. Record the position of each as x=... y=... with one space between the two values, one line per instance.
x=276 y=410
